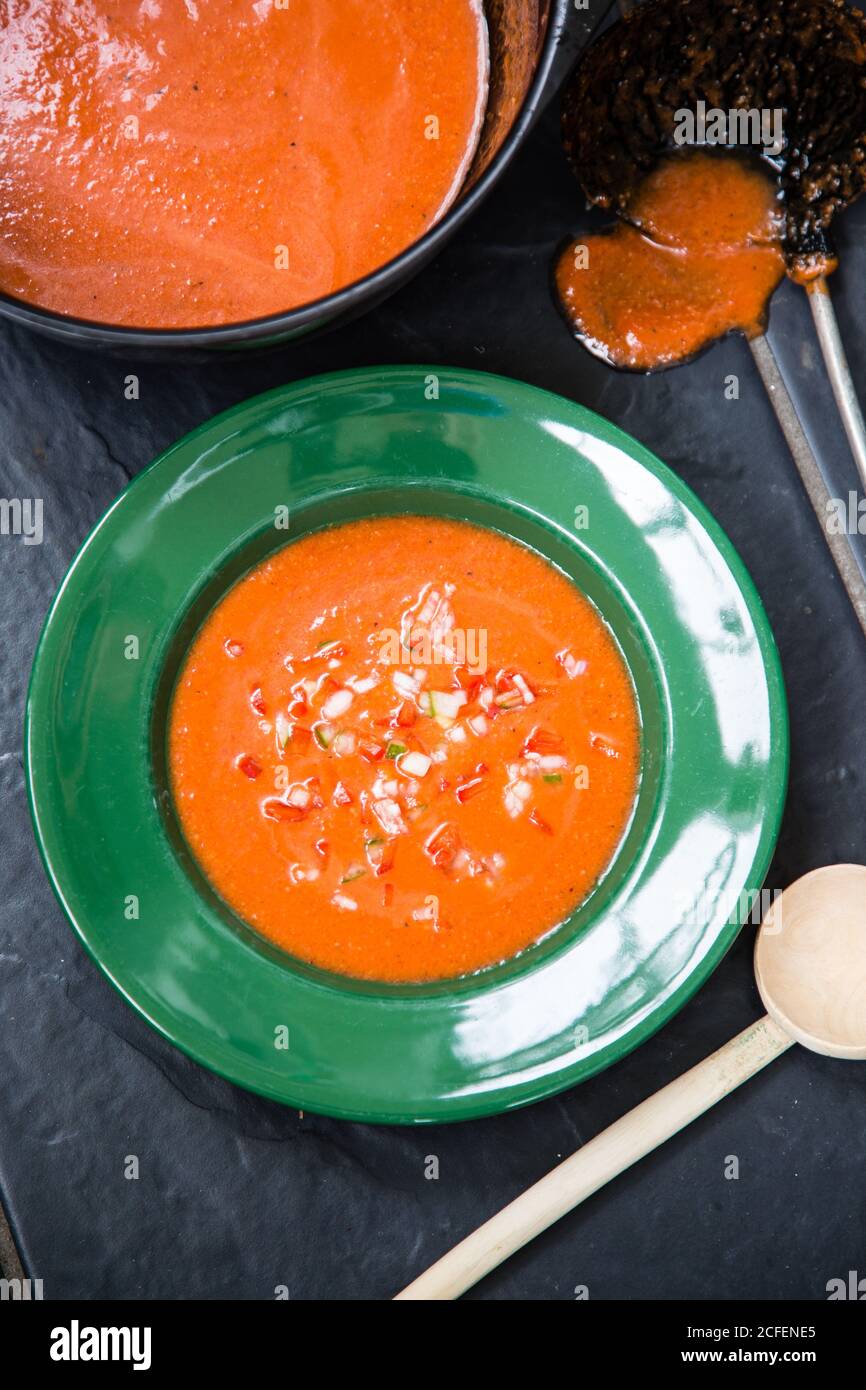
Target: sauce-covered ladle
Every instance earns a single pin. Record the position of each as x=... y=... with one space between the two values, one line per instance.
x=810 y=968
x=803 y=58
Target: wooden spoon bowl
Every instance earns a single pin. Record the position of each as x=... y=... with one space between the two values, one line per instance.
x=810 y=961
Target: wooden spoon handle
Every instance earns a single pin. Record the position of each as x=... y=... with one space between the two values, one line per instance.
x=610 y=1153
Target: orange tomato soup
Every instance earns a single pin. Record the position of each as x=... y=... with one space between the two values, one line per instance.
x=699 y=256
x=181 y=163
x=404 y=749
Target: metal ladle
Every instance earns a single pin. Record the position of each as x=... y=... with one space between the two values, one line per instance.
x=609 y=157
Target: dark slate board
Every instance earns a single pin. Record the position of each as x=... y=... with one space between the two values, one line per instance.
x=237 y=1196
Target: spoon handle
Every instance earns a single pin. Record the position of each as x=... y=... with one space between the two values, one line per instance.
x=838 y=371
x=812 y=478
x=603 y=1158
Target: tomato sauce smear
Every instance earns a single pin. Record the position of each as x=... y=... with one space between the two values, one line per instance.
x=699 y=256
x=404 y=748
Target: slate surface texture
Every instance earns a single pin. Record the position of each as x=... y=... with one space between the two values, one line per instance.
x=238 y=1196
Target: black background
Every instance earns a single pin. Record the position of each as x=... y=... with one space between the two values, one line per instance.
x=238 y=1196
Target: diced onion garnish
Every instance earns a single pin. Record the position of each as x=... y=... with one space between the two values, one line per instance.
x=284 y=730
x=552 y=762
x=451 y=702
x=570 y=664
x=298 y=874
x=478 y=724
x=457 y=734
x=344 y=903
x=443 y=704
x=528 y=697
x=324 y=735
x=337 y=704
x=389 y=816
x=344 y=744
x=298 y=796
x=414 y=764
x=516 y=796
x=405 y=684
x=364 y=685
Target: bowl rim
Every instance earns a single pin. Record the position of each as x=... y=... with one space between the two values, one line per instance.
x=518 y=1087
x=331 y=307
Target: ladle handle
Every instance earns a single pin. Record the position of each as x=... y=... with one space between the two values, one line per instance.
x=833 y=350
x=603 y=1158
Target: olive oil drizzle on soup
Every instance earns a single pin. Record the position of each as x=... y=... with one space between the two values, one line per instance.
x=404 y=749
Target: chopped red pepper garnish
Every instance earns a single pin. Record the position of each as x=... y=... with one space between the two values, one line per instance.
x=471 y=787
x=464 y=679
x=249 y=767
x=406 y=715
x=257 y=700
x=299 y=737
x=388 y=894
x=601 y=743
x=275 y=809
x=371 y=752
x=342 y=796
x=544 y=743
x=299 y=708
x=386 y=860
x=444 y=845
x=540 y=822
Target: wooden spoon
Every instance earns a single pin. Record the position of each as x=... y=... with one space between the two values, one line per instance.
x=810 y=967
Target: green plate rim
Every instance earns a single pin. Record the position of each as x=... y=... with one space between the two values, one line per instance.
x=500 y=1098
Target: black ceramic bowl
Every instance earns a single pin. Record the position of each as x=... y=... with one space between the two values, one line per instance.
x=523 y=39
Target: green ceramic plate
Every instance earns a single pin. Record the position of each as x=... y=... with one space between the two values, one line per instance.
x=449 y=443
